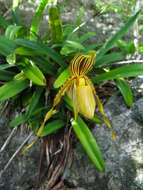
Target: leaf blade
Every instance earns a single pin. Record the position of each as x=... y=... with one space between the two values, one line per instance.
x=33 y=73
x=34 y=101
x=55 y=25
x=7 y=46
x=125 y=91
x=62 y=78
x=14 y=87
x=88 y=142
x=52 y=127
x=24 y=117
x=41 y=49
x=121 y=72
x=6 y=75
x=36 y=19
x=105 y=59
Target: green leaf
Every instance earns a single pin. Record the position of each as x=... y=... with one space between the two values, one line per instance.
x=52 y=127
x=25 y=51
x=91 y=47
x=6 y=75
x=5 y=66
x=74 y=45
x=70 y=47
x=16 y=16
x=13 y=88
x=66 y=50
x=11 y=59
x=18 y=120
x=62 y=78
x=41 y=49
x=121 y=72
x=34 y=101
x=88 y=142
x=131 y=47
x=67 y=30
x=4 y=22
x=36 y=20
x=79 y=17
x=125 y=91
x=6 y=46
x=97 y=119
x=141 y=47
x=105 y=59
x=39 y=110
x=12 y=31
x=116 y=36
x=122 y=45
x=86 y=36
x=33 y=73
x=127 y=48
x=55 y=25
x=45 y=65
x=24 y=117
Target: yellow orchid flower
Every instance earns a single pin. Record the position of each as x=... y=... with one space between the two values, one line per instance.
x=81 y=91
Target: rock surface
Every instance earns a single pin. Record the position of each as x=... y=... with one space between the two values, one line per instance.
x=22 y=172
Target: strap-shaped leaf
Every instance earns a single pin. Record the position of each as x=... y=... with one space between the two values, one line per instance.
x=12 y=88
x=15 y=12
x=125 y=91
x=34 y=101
x=25 y=51
x=78 y=20
x=45 y=65
x=16 y=16
x=4 y=22
x=88 y=142
x=33 y=73
x=62 y=78
x=84 y=37
x=121 y=72
x=74 y=45
x=36 y=19
x=55 y=25
x=91 y=47
x=6 y=75
x=7 y=46
x=5 y=66
x=116 y=37
x=52 y=127
x=12 y=31
x=41 y=49
x=24 y=117
x=105 y=59
x=70 y=47
x=18 y=120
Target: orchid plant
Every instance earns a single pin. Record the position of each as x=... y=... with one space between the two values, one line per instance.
x=32 y=61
